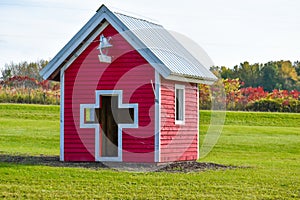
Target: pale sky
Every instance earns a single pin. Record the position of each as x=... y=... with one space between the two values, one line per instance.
x=230 y=31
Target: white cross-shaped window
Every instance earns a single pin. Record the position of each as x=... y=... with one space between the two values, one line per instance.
x=103 y=118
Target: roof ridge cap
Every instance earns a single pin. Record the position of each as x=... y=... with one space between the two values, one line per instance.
x=104 y=8
x=137 y=18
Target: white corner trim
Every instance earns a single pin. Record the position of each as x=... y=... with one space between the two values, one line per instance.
x=62 y=116
x=182 y=87
x=97 y=127
x=198 y=128
x=157 y=129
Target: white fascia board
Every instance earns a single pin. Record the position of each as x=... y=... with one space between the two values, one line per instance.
x=79 y=51
x=190 y=80
x=47 y=71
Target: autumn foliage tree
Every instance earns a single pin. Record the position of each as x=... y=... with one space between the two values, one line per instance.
x=21 y=83
x=251 y=98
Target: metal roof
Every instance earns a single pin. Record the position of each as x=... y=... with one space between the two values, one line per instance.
x=166 y=48
x=152 y=41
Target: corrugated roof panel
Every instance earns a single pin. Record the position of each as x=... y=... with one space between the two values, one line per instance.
x=166 y=48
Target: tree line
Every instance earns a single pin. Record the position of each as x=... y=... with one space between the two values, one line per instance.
x=273 y=86
x=281 y=75
x=22 y=83
x=23 y=69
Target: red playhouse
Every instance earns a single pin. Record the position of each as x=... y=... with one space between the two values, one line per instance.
x=129 y=93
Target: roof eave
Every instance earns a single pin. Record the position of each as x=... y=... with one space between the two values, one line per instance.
x=52 y=69
x=191 y=79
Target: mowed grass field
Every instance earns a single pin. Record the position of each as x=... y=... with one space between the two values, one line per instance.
x=267 y=145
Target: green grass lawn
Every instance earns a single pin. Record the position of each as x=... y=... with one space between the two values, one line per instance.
x=268 y=144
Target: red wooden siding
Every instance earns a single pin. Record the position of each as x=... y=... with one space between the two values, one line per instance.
x=129 y=72
x=178 y=142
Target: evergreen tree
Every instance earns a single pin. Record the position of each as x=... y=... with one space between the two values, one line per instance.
x=269 y=76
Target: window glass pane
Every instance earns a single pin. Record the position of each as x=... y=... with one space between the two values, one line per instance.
x=179 y=104
x=89 y=115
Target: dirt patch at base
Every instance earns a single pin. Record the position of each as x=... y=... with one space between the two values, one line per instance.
x=47 y=161
x=175 y=167
x=192 y=166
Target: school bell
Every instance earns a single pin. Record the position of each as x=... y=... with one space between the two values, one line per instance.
x=103 y=47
